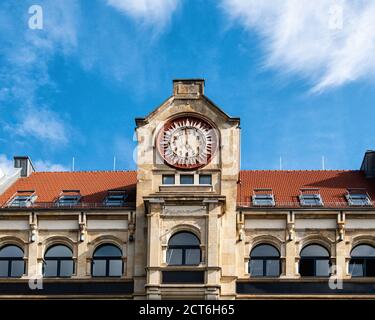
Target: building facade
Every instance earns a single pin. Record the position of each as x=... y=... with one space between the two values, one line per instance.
x=188 y=223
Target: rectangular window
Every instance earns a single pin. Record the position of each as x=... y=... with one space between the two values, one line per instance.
x=205 y=179
x=69 y=198
x=23 y=199
x=168 y=179
x=310 y=199
x=115 y=199
x=358 y=199
x=263 y=200
x=186 y=179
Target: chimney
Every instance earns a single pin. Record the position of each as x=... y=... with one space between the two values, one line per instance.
x=368 y=164
x=25 y=164
x=188 y=88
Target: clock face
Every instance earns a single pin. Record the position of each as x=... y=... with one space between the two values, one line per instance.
x=187 y=142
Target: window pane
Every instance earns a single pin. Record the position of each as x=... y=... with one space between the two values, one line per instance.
x=108 y=251
x=168 y=179
x=306 y=267
x=115 y=268
x=256 y=268
x=58 y=251
x=322 y=268
x=356 y=268
x=18 y=268
x=3 y=268
x=184 y=239
x=370 y=268
x=363 y=250
x=11 y=252
x=66 y=268
x=174 y=256
x=50 y=268
x=264 y=250
x=314 y=250
x=186 y=179
x=272 y=268
x=99 y=268
x=192 y=256
x=205 y=179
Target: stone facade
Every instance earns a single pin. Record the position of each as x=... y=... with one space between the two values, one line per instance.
x=227 y=230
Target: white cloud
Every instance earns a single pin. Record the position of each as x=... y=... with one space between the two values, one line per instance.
x=41 y=165
x=6 y=165
x=42 y=124
x=156 y=12
x=26 y=55
x=306 y=38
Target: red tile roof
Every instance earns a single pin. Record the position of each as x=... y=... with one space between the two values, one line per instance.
x=92 y=185
x=286 y=185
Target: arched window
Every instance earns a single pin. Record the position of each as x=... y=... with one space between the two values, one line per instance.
x=314 y=261
x=11 y=262
x=183 y=249
x=58 y=262
x=362 y=262
x=264 y=261
x=107 y=261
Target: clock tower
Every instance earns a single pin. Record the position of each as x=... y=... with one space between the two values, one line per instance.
x=188 y=164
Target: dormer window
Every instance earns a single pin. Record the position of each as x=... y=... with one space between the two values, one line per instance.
x=310 y=197
x=22 y=199
x=263 y=197
x=115 y=198
x=69 y=198
x=358 y=197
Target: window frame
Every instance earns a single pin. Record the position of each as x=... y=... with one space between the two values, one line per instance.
x=350 y=197
x=363 y=260
x=270 y=197
x=58 y=260
x=107 y=260
x=314 y=260
x=314 y=196
x=264 y=260
x=11 y=259
x=187 y=175
x=168 y=176
x=184 y=248
x=205 y=175
x=119 y=203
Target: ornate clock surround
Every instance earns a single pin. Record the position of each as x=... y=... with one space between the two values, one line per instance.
x=187 y=141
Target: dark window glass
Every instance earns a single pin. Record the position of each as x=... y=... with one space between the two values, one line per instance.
x=205 y=179
x=264 y=261
x=362 y=263
x=58 y=262
x=186 y=179
x=107 y=261
x=168 y=179
x=314 y=261
x=184 y=249
x=11 y=262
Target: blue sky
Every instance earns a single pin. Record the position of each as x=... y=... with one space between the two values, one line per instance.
x=299 y=74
